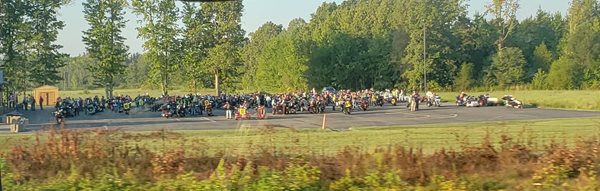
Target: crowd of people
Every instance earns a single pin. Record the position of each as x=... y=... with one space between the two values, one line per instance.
x=238 y=106
x=27 y=103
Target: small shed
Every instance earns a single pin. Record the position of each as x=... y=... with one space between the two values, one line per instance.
x=48 y=93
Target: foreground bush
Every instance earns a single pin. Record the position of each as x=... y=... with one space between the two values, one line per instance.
x=113 y=160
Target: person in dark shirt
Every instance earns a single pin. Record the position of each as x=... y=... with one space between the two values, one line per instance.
x=41 y=101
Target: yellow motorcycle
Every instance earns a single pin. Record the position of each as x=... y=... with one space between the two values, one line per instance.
x=347 y=107
x=127 y=107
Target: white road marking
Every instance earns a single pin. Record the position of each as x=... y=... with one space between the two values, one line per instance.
x=207 y=119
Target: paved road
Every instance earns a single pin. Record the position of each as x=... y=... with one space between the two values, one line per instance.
x=386 y=116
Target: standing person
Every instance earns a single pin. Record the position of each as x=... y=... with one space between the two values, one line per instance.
x=25 y=103
x=268 y=101
x=41 y=103
x=12 y=102
x=228 y=111
x=32 y=103
x=57 y=105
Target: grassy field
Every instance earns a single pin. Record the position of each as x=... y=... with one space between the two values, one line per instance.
x=566 y=99
x=559 y=154
x=428 y=137
x=130 y=92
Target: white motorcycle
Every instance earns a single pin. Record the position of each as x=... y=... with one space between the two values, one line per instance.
x=437 y=101
x=510 y=101
x=472 y=101
x=434 y=101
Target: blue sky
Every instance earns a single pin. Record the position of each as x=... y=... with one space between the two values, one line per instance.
x=256 y=13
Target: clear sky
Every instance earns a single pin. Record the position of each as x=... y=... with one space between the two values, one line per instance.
x=256 y=13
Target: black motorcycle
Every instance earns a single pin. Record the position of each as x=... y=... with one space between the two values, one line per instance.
x=59 y=115
x=90 y=110
x=181 y=110
x=379 y=101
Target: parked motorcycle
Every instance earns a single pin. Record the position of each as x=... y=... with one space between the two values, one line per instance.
x=90 y=110
x=261 y=112
x=127 y=107
x=434 y=101
x=364 y=104
x=510 y=101
x=472 y=101
x=242 y=113
x=483 y=100
x=347 y=107
x=168 y=110
x=379 y=101
x=291 y=107
x=59 y=115
x=209 y=109
x=437 y=101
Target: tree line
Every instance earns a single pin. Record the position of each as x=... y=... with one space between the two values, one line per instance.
x=355 y=44
x=29 y=55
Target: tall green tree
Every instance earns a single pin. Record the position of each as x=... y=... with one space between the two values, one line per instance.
x=226 y=40
x=45 y=57
x=478 y=43
x=542 y=28
x=579 y=63
x=281 y=66
x=13 y=41
x=507 y=67
x=195 y=43
x=256 y=45
x=160 y=30
x=104 y=41
x=464 y=80
x=542 y=59
x=504 y=13
x=432 y=50
x=28 y=32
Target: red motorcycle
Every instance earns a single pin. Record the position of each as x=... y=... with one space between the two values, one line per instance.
x=261 y=113
x=364 y=104
x=242 y=113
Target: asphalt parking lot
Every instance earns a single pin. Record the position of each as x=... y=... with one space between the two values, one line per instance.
x=375 y=116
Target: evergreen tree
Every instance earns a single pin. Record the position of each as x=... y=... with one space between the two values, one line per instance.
x=104 y=41
x=507 y=67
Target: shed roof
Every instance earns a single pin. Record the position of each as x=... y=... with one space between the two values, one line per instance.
x=46 y=88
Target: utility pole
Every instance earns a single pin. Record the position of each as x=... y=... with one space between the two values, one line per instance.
x=425 y=57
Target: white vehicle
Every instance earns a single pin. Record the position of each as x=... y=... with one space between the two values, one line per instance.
x=437 y=101
x=434 y=100
x=510 y=101
x=473 y=104
x=472 y=101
